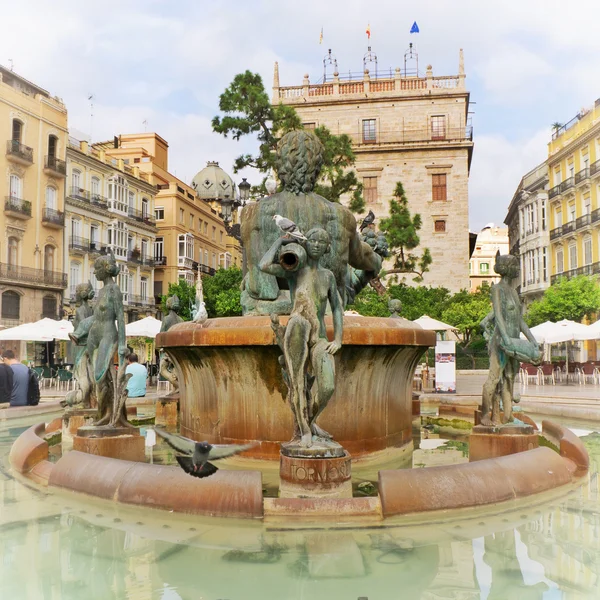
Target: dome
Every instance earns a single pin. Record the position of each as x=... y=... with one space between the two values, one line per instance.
x=212 y=183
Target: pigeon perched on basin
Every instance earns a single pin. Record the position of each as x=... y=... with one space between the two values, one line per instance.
x=289 y=227
x=200 y=315
x=271 y=184
x=198 y=454
x=368 y=220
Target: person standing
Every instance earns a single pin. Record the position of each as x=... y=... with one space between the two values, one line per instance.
x=6 y=382
x=136 y=386
x=20 y=387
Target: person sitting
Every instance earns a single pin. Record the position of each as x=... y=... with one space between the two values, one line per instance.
x=136 y=386
x=6 y=382
x=20 y=387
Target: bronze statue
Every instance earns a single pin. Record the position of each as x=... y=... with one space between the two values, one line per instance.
x=307 y=353
x=299 y=160
x=104 y=334
x=82 y=374
x=502 y=328
x=167 y=368
x=395 y=306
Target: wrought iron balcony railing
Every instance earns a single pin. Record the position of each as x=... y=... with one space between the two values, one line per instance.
x=79 y=243
x=595 y=168
x=556 y=232
x=553 y=192
x=160 y=261
x=567 y=184
x=140 y=216
x=582 y=175
x=568 y=227
x=596 y=215
x=17 y=205
x=85 y=196
x=55 y=164
x=53 y=217
x=140 y=300
x=34 y=276
x=583 y=221
x=21 y=151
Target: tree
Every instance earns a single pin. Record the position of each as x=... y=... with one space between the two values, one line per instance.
x=571 y=299
x=187 y=296
x=421 y=300
x=466 y=311
x=248 y=110
x=369 y=303
x=402 y=232
x=222 y=293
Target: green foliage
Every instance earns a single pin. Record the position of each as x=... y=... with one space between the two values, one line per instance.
x=369 y=303
x=466 y=311
x=421 y=300
x=222 y=293
x=248 y=110
x=571 y=299
x=187 y=297
x=402 y=232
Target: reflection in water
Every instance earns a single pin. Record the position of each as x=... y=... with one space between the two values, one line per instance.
x=61 y=547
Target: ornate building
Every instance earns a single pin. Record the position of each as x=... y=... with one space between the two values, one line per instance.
x=110 y=204
x=191 y=233
x=481 y=265
x=404 y=127
x=33 y=127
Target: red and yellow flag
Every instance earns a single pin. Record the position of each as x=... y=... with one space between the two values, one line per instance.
x=368 y=31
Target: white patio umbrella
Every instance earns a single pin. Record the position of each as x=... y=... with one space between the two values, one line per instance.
x=433 y=324
x=44 y=330
x=148 y=327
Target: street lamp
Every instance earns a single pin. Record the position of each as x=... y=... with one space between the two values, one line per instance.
x=244 y=191
x=228 y=205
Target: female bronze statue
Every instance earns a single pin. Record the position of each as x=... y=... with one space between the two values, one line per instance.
x=103 y=338
x=502 y=328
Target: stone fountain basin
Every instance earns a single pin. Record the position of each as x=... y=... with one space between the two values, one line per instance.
x=232 y=389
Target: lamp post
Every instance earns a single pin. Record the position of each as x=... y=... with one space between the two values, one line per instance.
x=229 y=204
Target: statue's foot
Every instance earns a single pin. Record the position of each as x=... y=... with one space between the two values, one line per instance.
x=102 y=421
x=306 y=440
x=316 y=430
x=486 y=421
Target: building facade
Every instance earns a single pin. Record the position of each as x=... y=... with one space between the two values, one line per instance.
x=408 y=128
x=529 y=233
x=110 y=205
x=191 y=234
x=490 y=240
x=33 y=127
x=574 y=195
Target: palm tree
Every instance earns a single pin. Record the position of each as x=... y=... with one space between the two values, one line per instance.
x=556 y=125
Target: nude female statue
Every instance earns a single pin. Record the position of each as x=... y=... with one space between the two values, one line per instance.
x=166 y=367
x=502 y=328
x=102 y=339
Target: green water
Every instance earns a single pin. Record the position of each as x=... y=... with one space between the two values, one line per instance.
x=64 y=547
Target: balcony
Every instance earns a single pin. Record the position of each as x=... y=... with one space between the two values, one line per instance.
x=556 y=233
x=207 y=270
x=413 y=136
x=140 y=216
x=53 y=218
x=583 y=221
x=595 y=168
x=582 y=175
x=553 y=192
x=55 y=166
x=79 y=244
x=15 y=207
x=134 y=256
x=19 y=153
x=82 y=195
x=568 y=227
x=140 y=300
x=160 y=261
x=591 y=269
x=567 y=184
x=596 y=215
x=32 y=277
x=184 y=261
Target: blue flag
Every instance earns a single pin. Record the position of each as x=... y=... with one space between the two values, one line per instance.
x=414 y=28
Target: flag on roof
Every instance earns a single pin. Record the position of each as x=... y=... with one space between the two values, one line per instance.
x=321 y=36
x=414 y=28
x=368 y=31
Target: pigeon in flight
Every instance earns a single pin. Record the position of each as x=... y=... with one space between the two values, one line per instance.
x=197 y=454
x=289 y=227
x=370 y=218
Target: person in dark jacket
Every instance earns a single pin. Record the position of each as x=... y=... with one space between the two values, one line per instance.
x=6 y=381
x=20 y=387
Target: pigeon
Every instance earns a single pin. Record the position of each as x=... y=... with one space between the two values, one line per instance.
x=197 y=454
x=370 y=218
x=289 y=227
x=200 y=314
x=271 y=184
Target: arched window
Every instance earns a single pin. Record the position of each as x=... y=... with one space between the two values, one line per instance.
x=49 y=307
x=52 y=145
x=51 y=197
x=11 y=305
x=76 y=180
x=49 y=258
x=15 y=187
x=17 y=131
x=13 y=252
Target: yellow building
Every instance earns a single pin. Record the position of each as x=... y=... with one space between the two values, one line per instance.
x=405 y=126
x=110 y=204
x=33 y=127
x=490 y=240
x=191 y=233
x=574 y=195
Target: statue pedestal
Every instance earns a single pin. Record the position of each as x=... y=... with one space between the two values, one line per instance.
x=302 y=477
x=74 y=418
x=124 y=443
x=490 y=442
x=167 y=410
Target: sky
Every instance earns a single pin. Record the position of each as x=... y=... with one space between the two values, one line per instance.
x=529 y=63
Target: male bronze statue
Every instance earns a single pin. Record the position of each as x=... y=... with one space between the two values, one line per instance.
x=166 y=367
